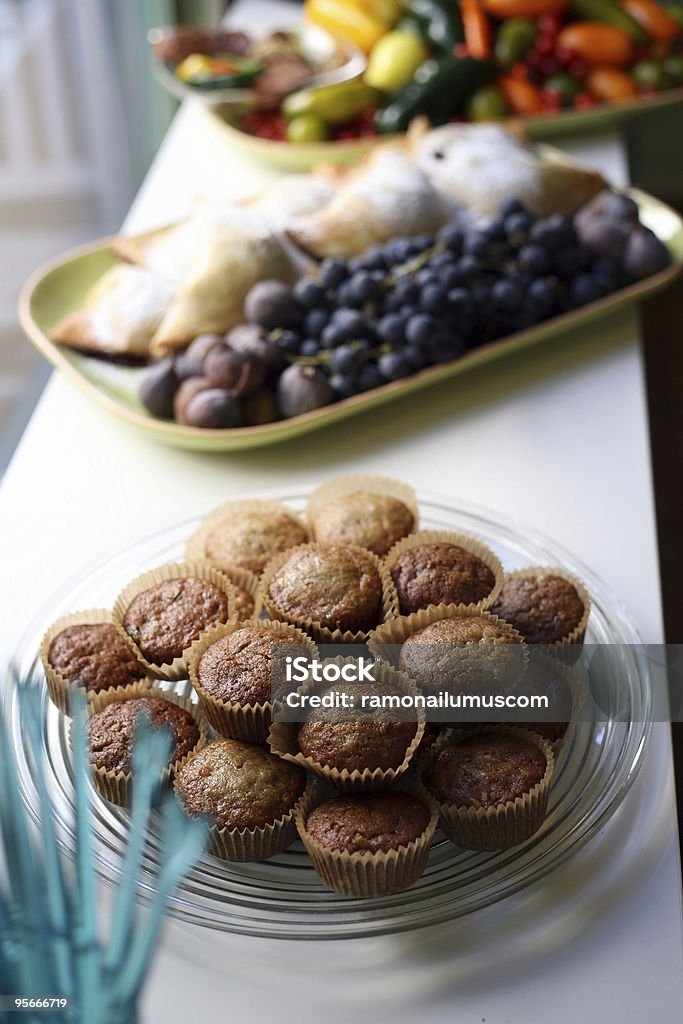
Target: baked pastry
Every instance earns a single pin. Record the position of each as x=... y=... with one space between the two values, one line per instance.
x=244 y=604
x=368 y=844
x=291 y=197
x=336 y=586
x=375 y=822
x=476 y=167
x=111 y=731
x=439 y=573
x=386 y=196
x=215 y=257
x=247 y=534
x=238 y=667
x=354 y=740
x=462 y=652
x=120 y=315
x=94 y=656
x=164 y=619
x=238 y=785
x=492 y=787
x=373 y=521
x=485 y=770
x=543 y=605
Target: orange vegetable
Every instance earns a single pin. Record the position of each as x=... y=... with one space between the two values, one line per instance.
x=522 y=97
x=524 y=8
x=653 y=19
x=597 y=44
x=610 y=84
x=477 y=29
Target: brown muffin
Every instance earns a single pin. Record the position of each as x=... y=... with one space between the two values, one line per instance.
x=440 y=573
x=376 y=822
x=244 y=604
x=238 y=785
x=251 y=537
x=542 y=680
x=335 y=585
x=356 y=738
x=544 y=608
x=111 y=731
x=95 y=657
x=239 y=667
x=164 y=620
x=485 y=770
x=462 y=652
x=373 y=521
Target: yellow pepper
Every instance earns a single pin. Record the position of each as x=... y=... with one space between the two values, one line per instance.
x=348 y=19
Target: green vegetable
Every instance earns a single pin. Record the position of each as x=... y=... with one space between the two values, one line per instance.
x=335 y=104
x=307 y=128
x=439 y=21
x=566 y=85
x=651 y=74
x=486 y=104
x=438 y=91
x=610 y=12
x=515 y=37
x=673 y=65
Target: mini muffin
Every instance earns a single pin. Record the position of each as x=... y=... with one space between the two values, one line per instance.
x=379 y=821
x=372 y=844
x=485 y=770
x=247 y=534
x=95 y=657
x=373 y=521
x=492 y=787
x=440 y=573
x=355 y=740
x=336 y=586
x=545 y=607
x=462 y=651
x=237 y=672
x=164 y=619
x=247 y=794
x=111 y=731
x=238 y=667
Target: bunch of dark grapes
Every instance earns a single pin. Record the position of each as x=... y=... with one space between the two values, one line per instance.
x=417 y=302
x=401 y=307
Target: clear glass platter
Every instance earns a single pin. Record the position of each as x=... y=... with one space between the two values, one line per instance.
x=283 y=898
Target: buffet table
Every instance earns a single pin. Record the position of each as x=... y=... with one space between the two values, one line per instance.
x=554 y=439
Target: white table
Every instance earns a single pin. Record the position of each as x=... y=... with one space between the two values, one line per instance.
x=556 y=439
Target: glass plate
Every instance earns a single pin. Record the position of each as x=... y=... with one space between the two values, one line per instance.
x=283 y=898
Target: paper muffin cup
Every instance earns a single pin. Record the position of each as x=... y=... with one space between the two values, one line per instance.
x=505 y=825
x=576 y=635
x=322 y=634
x=369 y=873
x=59 y=687
x=248 y=722
x=177 y=669
x=117 y=787
x=196 y=546
x=342 y=485
x=283 y=739
x=464 y=540
x=245 y=845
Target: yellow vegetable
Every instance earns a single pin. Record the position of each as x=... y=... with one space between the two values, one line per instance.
x=196 y=65
x=394 y=60
x=347 y=20
x=388 y=11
